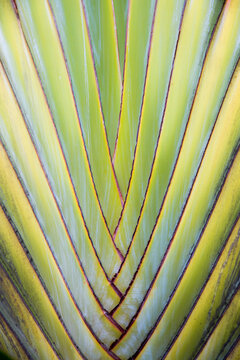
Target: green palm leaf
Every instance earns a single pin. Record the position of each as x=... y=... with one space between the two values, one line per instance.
x=119 y=179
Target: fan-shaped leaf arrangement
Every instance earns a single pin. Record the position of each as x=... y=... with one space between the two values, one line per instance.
x=120 y=179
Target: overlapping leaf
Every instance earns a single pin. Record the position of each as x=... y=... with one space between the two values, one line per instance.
x=119 y=179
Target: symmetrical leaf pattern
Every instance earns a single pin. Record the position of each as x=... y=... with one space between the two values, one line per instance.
x=120 y=179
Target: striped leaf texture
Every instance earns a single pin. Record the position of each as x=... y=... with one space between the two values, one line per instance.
x=120 y=179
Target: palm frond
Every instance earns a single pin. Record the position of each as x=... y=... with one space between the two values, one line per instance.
x=120 y=179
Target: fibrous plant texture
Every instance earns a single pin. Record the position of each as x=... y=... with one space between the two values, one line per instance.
x=120 y=179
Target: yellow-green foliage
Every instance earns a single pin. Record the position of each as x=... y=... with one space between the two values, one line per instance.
x=120 y=179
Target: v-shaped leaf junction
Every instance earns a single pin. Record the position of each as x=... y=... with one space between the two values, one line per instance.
x=120 y=179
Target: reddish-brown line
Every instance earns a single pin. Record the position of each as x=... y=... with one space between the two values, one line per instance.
x=116 y=37
x=4 y=330
x=4 y=325
x=15 y=7
x=201 y=291
x=100 y=101
x=218 y=321
x=58 y=267
x=23 y=348
x=59 y=210
x=80 y=126
x=232 y=348
x=183 y=209
x=30 y=312
x=123 y=81
x=36 y=271
x=140 y=116
x=114 y=322
x=181 y=276
x=175 y=164
x=117 y=291
x=67 y=167
x=170 y=298
x=65 y=161
x=155 y=152
x=76 y=108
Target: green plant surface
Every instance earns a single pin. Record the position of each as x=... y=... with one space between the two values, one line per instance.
x=120 y=179
x=120 y=14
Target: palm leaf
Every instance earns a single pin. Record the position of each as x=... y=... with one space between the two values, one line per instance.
x=119 y=179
